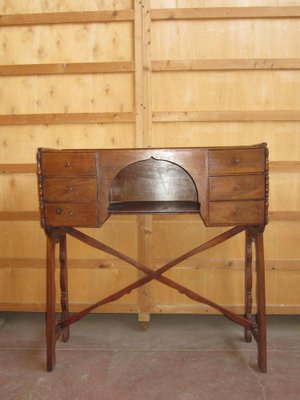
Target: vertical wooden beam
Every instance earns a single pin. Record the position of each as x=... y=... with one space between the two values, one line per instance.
x=138 y=80
x=147 y=70
x=143 y=139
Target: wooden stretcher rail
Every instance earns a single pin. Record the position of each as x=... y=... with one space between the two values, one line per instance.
x=66 y=17
x=18 y=168
x=69 y=118
x=225 y=13
x=226 y=116
x=160 y=308
x=68 y=68
x=157 y=66
x=19 y=216
x=158 y=116
x=112 y=263
x=226 y=64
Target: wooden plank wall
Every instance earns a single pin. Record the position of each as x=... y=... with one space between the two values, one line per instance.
x=124 y=73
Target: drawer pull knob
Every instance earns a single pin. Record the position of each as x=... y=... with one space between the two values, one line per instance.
x=69 y=189
x=67 y=164
x=71 y=213
x=237 y=187
x=58 y=210
x=236 y=161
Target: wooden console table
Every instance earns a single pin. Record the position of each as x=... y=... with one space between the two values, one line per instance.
x=227 y=186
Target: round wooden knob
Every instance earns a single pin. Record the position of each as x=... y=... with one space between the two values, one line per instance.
x=67 y=164
x=236 y=161
x=58 y=210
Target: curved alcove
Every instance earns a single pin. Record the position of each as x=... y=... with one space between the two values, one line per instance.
x=153 y=186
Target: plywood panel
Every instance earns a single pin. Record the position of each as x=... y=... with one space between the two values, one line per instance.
x=243 y=90
x=282 y=137
x=55 y=94
x=189 y=233
x=51 y=43
x=17 y=286
x=285 y=191
x=22 y=240
x=38 y=6
x=30 y=137
x=225 y=39
x=19 y=192
x=220 y=3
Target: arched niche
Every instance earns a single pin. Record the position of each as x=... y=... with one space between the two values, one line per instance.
x=153 y=185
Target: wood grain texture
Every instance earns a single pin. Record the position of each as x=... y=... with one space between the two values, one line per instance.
x=69 y=68
x=66 y=17
x=226 y=13
x=225 y=64
x=160 y=101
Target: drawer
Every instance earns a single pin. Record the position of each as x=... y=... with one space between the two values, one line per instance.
x=239 y=187
x=236 y=212
x=70 y=190
x=236 y=161
x=68 y=163
x=71 y=214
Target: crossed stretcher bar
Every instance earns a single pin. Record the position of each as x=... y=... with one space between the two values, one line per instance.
x=157 y=274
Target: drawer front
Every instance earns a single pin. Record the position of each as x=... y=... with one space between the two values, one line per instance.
x=70 y=190
x=236 y=212
x=67 y=163
x=226 y=162
x=71 y=214
x=243 y=187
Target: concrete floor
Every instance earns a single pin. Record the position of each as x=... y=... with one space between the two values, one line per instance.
x=178 y=357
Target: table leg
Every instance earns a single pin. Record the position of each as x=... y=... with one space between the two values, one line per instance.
x=50 y=307
x=64 y=300
x=248 y=283
x=261 y=302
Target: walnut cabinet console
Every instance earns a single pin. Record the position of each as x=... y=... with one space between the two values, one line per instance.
x=227 y=186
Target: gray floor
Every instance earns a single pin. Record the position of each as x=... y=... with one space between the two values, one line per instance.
x=178 y=358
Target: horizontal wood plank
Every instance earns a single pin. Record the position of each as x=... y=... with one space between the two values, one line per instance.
x=284 y=309
x=226 y=116
x=66 y=17
x=225 y=13
x=226 y=64
x=18 y=168
x=19 y=216
x=41 y=307
x=193 y=264
x=70 y=118
x=284 y=215
x=284 y=166
x=68 y=68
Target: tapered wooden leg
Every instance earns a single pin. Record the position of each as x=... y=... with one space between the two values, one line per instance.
x=261 y=302
x=50 y=307
x=248 y=282
x=64 y=300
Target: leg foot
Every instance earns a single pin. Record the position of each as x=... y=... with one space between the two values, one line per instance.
x=144 y=320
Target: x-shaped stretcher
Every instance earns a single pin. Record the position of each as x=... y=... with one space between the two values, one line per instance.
x=61 y=328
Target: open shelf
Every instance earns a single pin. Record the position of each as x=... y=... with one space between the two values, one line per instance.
x=154 y=207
